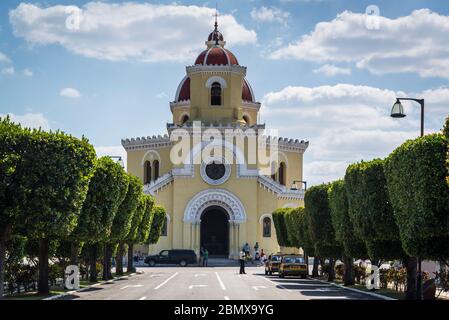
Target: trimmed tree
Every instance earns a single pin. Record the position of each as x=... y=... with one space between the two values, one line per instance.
x=353 y=247
x=12 y=138
x=292 y=218
x=147 y=220
x=156 y=225
x=418 y=187
x=56 y=171
x=107 y=189
x=281 y=227
x=122 y=221
x=320 y=223
x=133 y=234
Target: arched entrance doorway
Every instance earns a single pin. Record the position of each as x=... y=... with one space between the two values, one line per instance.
x=214 y=232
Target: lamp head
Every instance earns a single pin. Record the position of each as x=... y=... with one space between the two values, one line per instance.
x=398 y=110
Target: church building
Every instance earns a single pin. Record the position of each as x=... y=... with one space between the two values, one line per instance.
x=219 y=203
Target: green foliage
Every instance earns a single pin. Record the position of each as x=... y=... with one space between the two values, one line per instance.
x=304 y=234
x=320 y=224
x=446 y=128
x=370 y=210
x=156 y=225
x=416 y=175
x=145 y=225
x=123 y=218
x=133 y=234
x=107 y=189
x=281 y=227
x=55 y=177
x=292 y=219
x=344 y=229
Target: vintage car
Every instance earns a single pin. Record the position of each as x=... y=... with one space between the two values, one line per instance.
x=272 y=264
x=293 y=265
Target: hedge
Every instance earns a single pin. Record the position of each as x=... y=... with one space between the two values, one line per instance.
x=280 y=226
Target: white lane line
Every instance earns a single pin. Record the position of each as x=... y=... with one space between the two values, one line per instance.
x=197 y=286
x=259 y=287
x=220 y=281
x=200 y=275
x=163 y=283
x=132 y=286
x=277 y=284
x=143 y=298
x=226 y=298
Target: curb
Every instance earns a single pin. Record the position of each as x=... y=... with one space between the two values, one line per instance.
x=356 y=290
x=88 y=287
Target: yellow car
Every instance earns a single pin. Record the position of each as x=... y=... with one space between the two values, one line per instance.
x=293 y=265
x=272 y=264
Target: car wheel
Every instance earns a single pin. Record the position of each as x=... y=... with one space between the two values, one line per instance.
x=303 y=276
x=266 y=272
x=270 y=273
x=183 y=263
x=152 y=263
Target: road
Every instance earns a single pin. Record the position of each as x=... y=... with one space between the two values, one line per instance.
x=213 y=283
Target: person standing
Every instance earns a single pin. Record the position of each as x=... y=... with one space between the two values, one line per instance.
x=201 y=256
x=242 y=257
x=205 y=257
x=256 y=247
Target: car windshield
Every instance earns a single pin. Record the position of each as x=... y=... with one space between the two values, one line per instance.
x=275 y=258
x=294 y=260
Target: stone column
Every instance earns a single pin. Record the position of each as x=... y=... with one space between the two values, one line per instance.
x=231 y=240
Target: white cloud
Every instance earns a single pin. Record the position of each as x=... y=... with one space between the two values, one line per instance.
x=70 y=93
x=414 y=43
x=126 y=31
x=265 y=14
x=330 y=70
x=27 y=73
x=9 y=71
x=29 y=120
x=4 y=58
x=347 y=123
x=112 y=151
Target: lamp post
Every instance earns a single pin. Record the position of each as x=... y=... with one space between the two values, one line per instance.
x=119 y=160
x=295 y=187
x=397 y=111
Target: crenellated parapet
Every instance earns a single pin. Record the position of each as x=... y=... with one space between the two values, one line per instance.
x=154 y=142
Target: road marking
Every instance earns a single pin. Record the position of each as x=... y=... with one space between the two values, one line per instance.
x=277 y=284
x=163 y=283
x=200 y=275
x=220 y=281
x=226 y=298
x=132 y=286
x=197 y=286
x=259 y=287
x=143 y=298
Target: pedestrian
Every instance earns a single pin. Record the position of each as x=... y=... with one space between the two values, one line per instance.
x=256 y=247
x=246 y=249
x=205 y=257
x=242 y=257
x=201 y=256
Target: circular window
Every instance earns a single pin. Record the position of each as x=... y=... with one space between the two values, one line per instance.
x=215 y=172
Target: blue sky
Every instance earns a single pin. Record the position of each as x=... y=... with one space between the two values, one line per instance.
x=320 y=73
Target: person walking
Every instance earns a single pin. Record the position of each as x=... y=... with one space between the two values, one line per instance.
x=205 y=257
x=201 y=256
x=242 y=257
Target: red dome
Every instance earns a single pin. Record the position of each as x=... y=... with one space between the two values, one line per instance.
x=183 y=93
x=247 y=92
x=216 y=55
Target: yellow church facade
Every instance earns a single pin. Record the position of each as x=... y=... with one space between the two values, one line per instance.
x=218 y=200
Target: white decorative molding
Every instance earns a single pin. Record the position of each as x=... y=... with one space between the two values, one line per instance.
x=178 y=90
x=215 y=197
x=265 y=215
x=156 y=186
x=236 y=69
x=281 y=191
x=167 y=216
x=290 y=205
x=210 y=181
x=151 y=155
x=218 y=79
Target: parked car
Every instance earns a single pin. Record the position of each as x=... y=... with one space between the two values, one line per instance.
x=176 y=256
x=293 y=265
x=272 y=264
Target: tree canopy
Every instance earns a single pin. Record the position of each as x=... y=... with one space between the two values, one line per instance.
x=156 y=225
x=281 y=227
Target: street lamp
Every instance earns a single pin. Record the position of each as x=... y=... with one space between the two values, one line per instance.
x=398 y=112
x=119 y=160
x=295 y=187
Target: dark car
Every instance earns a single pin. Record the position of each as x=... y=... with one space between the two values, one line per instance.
x=176 y=256
x=272 y=264
x=293 y=265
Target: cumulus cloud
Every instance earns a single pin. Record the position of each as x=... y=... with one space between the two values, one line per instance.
x=29 y=120
x=27 y=73
x=269 y=14
x=4 y=58
x=9 y=71
x=414 y=43
x=70 y=93
x=347 y=123
x=330 y=70
x=125 y=31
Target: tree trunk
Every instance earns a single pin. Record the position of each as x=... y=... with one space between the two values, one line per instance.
x=109 y=261
x=349 y=271
x=74 y=249
x=410 y=265
x=43 y=287
x=316 y=262
x=93 y=262
x=4 y=237
x=306 y=260
x=331 y=276
x=130 y=267
x=119 y=260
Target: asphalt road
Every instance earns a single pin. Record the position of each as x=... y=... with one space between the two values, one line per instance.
x=213 y=283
